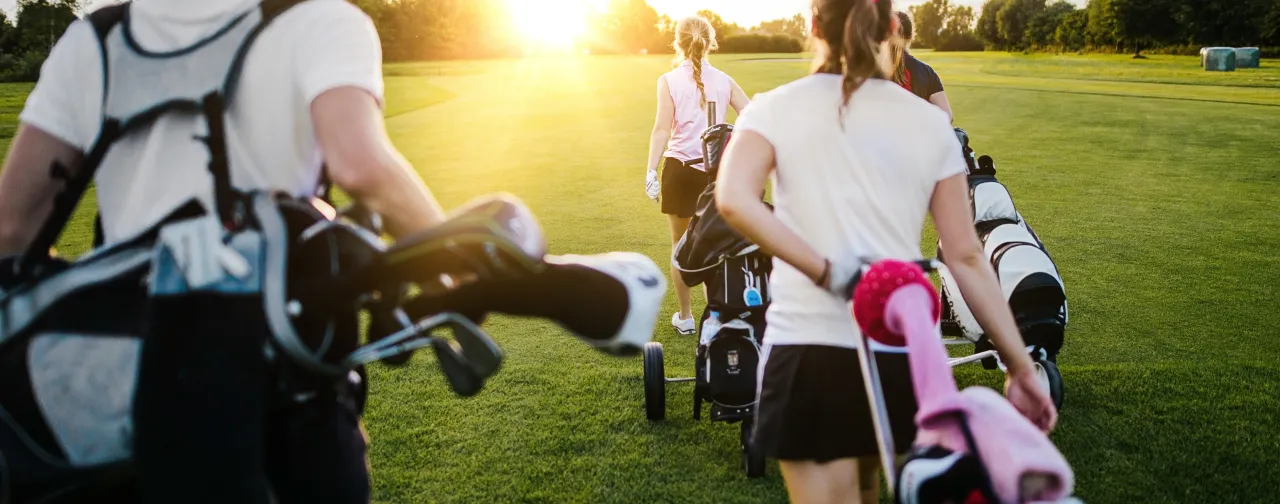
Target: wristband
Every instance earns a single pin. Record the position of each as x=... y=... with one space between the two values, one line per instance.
x=826 y=274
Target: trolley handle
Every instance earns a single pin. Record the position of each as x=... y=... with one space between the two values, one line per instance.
x=928 y=265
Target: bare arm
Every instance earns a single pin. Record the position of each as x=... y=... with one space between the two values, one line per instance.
x=363 y=162
x=748 y=160
x=972 y=271
x=661 y=125
x=26 y=188
x=940 y=100
x=739 y=100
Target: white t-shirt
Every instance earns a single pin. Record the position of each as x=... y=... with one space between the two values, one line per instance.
x=861 y=190
x=315 y=46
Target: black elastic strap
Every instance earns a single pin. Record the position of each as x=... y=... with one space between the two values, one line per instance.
x=692 y=162
x=224 y=195
x=64 y=204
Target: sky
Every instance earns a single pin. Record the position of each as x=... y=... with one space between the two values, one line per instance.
x=743 y=12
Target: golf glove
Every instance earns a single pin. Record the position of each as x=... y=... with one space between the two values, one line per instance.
x=651 y=186
x=841 y=278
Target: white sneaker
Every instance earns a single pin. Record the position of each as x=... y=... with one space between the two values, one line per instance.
x=685 y=326
x=645 y=285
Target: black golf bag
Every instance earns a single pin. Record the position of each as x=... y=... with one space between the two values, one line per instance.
x=1028 y=276
x=736 y=276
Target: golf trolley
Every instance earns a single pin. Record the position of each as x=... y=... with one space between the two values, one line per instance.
x=727 y=358
x=971 y=446
x=1028 y=279
x=731 y=329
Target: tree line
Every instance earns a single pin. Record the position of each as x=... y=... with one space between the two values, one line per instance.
x=1133 y=26
x=448 y=29
x=25 y=40
x=453 y=29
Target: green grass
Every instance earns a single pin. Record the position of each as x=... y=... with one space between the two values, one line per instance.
x=1157 y=199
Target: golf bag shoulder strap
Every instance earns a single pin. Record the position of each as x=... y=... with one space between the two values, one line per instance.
x=140 y=85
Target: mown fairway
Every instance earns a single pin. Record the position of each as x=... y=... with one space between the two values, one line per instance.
x=1152 y=183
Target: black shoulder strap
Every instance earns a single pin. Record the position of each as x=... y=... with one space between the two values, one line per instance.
x=215 y=106
x=102 y=21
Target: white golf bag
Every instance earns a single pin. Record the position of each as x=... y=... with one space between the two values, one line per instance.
x=1028 y=277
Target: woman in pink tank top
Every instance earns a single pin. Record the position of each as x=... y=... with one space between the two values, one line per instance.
x=683 y=95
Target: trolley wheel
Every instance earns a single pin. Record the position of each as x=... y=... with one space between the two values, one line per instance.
x=1052 y=380
x=752 y=457
x=655 y=382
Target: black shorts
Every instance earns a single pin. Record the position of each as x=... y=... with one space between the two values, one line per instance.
x=681 y=186
x=813 y=404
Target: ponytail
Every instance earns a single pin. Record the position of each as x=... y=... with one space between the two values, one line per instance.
x=853 y=32
x=698 y=50
x=694 y=39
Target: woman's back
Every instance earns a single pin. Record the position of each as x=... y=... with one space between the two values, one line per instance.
x=861 y=189
x=690 y=114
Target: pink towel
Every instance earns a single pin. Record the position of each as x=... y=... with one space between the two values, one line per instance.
x=1022 y=463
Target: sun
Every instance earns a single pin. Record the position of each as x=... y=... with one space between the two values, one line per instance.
x=552 y=24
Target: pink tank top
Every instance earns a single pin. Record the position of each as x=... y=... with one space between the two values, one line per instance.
x=691 y=118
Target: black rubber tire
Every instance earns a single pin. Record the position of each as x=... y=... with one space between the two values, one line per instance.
x=655 y=383
x=1056 y=390
x=752 y=458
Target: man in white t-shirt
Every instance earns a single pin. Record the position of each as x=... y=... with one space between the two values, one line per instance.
x=309 y=96
x=308 y=100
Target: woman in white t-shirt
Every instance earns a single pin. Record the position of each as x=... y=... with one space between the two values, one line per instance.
x=857 y=162
x=683 y=94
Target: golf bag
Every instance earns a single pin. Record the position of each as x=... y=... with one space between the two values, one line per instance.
x=736 y=276
x=1028 y=276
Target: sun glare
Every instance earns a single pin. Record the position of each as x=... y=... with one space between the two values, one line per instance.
x=552 y=24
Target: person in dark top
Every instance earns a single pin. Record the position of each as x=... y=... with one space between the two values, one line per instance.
x=913 y=74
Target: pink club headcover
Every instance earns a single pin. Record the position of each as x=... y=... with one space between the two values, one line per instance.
x=872 y=295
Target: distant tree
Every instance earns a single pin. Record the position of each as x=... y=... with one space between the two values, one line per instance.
x=1043 y=27
x=1014 y=18
x=1271 y=26
x=1223 y=22
x=722 y=28
x=1102 y=24
x=1072 y=33
x=960 y=22
x=798 y=27
x=929 y=19
x=988 y=24
x=794 y=26
x=8 y=35
x=626 y=26
x=1144 y=23
x=666 y=34
x=41 y=22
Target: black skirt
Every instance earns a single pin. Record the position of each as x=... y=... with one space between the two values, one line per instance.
x=813 y=404
x=681 y=186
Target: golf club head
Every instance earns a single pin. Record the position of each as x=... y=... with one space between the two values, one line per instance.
x=478 y=350
x=492 y=237
x=457 y=371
